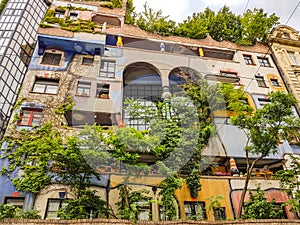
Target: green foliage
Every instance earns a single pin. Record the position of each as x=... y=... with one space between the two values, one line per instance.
x=130 y=14
x=247 y=29
x=67 y=24
x=225 y=26
x=10 y=211
x=65 y=107
x=196 y=26
x=80 y=208
x=7 y=211
x=152 y=21
x=264 y=128
x=259 y=208
x=256 y=26
x=214 y=202
x=167 y=193
x=290 y=182
x=127 y=206
x=2 y=5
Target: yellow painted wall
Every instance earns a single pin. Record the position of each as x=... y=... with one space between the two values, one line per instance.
x=210 y=187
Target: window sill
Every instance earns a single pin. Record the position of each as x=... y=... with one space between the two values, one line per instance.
x=32 y=92
x=78 y=95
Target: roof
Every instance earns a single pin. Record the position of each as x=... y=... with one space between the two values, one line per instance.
x=135 y=31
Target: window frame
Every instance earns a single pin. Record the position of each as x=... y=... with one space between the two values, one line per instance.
x=61 y=204
x=84 y=85
x=31 y=116
x=51 y=58
x=193 y=208
x=219 y=213
x=88 y=60
x=7 y=198
x=247 y=59
x=73 y=16
x=293 y=58
x=262 y=82
x=102 y=90
x=264 y=61
x=46 y=83
x=105 y=68
x=275 y=82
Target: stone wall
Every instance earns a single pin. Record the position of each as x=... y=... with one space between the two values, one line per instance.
x=127 y=222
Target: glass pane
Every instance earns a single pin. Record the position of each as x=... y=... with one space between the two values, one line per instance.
x=39 y=88
x=51 y=89
x=53 y=205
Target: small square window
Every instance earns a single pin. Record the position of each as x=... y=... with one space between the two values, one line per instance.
x=83 y=88
x=260 y=81
x=48 y=86
x=195 y=209
x=275 y=82
x=50 y=58
x=102 y=91
x=15 y=201
x=107 y=68
x=219 y=213
x=30 y=117
x=87 y=60
x=59 y=14
x=248 y=59
x=73 y=16
x=264 y=61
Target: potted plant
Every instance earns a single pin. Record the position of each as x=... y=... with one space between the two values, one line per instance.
x=106 y=96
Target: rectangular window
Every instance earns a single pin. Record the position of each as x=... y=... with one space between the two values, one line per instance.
x=263 y=101
x=48 y=86
x=30 y=117
x=260 y=81
x=275 y=82
x=102 y=91
x=107 y=68
x=53 y=206
x=59 y=14
x=50 y=58
x=264 y=61
x=83 y=88
x=73 y=16
x=248 y=59
x=293 y=58
x=87 y=60
x=195 y=209
x=219 y=213
x=144 y=210
x=15 y=201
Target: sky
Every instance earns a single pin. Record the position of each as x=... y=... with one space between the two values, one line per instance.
x=178 y=10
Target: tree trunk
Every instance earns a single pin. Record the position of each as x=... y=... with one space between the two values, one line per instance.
x=239 y=213
x=126 y=196
x=249 y=171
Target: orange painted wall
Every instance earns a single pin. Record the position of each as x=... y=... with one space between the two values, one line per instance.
x=210 y=187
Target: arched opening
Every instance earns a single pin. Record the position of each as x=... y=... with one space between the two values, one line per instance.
x=179 y=75
x=141 y=81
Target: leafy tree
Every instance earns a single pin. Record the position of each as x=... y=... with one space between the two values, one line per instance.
x=291 y=183
x=127 y=206
x=130 y=14
x=259 y=208
x=256 y=26
x=197 y=25
x=44 y=156
x=264 y=129
x=154 y=22
x=225 y=26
